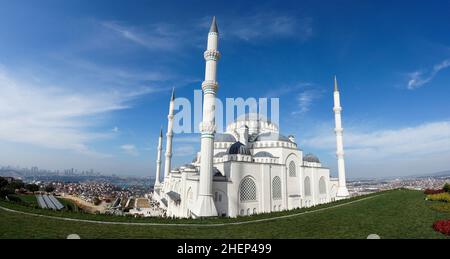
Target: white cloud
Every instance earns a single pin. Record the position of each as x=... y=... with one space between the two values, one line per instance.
x=424 y=148
x=130 y=149
x=115 y=129
x=305 y=100
x=55 y=117
x=185 y=150
x=420 y=78
x=266 y=26
x=155 y=37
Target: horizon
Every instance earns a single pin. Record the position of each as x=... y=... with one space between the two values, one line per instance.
x=87 y=84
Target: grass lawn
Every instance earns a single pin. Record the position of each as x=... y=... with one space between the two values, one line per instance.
x=395 y=214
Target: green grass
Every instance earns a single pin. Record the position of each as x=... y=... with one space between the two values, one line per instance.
x=395 y=214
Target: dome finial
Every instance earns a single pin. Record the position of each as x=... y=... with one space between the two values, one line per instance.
x=213 y=27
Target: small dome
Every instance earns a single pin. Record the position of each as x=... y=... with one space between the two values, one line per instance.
x=239 y=148
x=311 y=158
x=269 y=136
x=263 y=154
x=224 y=137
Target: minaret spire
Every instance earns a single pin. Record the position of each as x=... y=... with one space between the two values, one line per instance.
x=335 y=85
x=204 y=206
x=158 y=161
x=342 y=191
x=169 y=136
x=172 y=98
x=213 y=27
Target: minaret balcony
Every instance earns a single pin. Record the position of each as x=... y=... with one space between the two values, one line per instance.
x=211 y=54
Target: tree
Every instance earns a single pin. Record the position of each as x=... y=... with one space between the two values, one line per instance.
x=446 y=187
x=3 y=182
x=49 y=188
x=6 y=191
x=97 y=201
x=32 y=187
x=17 y=184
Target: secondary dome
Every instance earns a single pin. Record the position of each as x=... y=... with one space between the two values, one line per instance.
x=224 y=137
x=311 y=158
x=239 y=149
x=270 y=136
x=263 y=154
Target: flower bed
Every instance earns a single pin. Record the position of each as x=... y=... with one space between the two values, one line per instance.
x=433 y=191
x=442 y=226
x=445 y=197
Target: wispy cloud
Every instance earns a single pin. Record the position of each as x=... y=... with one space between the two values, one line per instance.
x=55 y=117
x=266 y=25
x=130 y=149
x=185 y=150
x=287 y=89
x=419 y=149
x=305 y=100
x=420 y=77
x=160 y=36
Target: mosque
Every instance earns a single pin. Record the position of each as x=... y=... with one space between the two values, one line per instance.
x=251 y=168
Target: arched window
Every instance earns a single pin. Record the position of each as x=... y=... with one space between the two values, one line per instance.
x=242 y=212
x=276 y=188
x=248 y=211
x=322 y=186
x=292 y=170
x=247 y=190
x=254 y=211
x=307 y=187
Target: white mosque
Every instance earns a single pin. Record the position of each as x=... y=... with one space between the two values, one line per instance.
x=249 y=169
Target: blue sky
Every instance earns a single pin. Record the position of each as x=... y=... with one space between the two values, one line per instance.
x=86 y=84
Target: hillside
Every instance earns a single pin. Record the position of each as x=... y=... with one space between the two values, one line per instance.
x=394 y=214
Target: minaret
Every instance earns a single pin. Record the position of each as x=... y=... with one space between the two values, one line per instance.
x=158 y=162
x=342 y=191
x=205 y=206
x=169 y=136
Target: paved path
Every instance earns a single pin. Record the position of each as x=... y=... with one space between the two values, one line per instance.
x=187 y=225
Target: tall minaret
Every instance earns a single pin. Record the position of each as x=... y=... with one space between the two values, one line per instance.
x=205 y=206
x=342 y=191
x=158 y=162
x=169 y=136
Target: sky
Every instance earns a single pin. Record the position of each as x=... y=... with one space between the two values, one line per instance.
x=86 y=84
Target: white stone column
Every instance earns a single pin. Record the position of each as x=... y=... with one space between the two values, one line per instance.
x=342 y=191
x=205 y=206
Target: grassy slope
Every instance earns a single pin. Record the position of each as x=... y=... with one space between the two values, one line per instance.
x=398 y=214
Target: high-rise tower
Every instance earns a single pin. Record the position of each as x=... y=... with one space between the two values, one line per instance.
x=158 y=162
x=205 y=207
x=342 y=191
x=169 y=136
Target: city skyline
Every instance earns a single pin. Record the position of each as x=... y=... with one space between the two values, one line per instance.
x=87 y=85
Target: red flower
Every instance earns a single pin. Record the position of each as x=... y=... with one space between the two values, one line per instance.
x=432 y=191
x=442 y=226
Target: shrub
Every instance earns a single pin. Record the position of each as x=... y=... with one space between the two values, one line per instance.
x=32 y=187
x=445 y=197
x=446 y=187
x=440 y=206
x=442 y=226
x=433 y=191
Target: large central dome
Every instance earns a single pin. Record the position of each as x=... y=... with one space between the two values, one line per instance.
x=256 y=124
